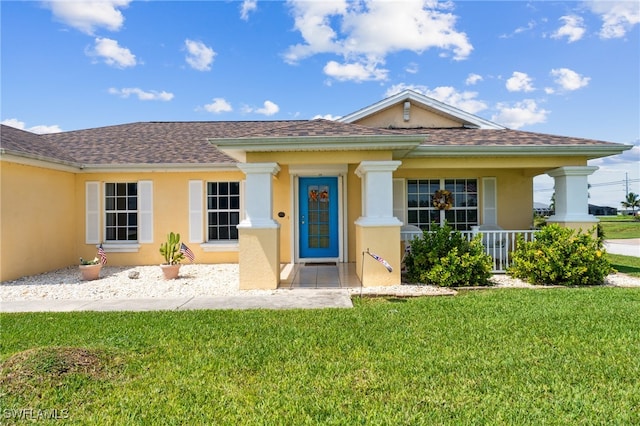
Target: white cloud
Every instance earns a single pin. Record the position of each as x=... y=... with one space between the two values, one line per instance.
x=412 y=68
x=269 y=108
x=364 y=33
x=466 y=101
x=356 y=71
x=87 y=16
x=472 y=79
x=40 y=129
x=519 y=82
x=112 y=53
x=631 y=156
x=573 y=28
x=141 y=94
x=219 y=105
x=618 y=17
x=530 y=26
x=247 y=7
x=521 y=114
x=199 y=55
x=326 y=117
x=568 y=79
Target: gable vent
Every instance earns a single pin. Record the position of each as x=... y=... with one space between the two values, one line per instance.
x=407 y=108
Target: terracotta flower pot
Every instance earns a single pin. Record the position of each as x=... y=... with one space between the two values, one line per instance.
x=170 y=271
x=90 y=272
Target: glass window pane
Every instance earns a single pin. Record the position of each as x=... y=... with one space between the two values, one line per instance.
x=223 y=218
x=234 y=218
x=133 y=203
x=213 y=233
x=110 y=204
x=132 y=189
x=121 y=189
x=110 y=189
x=223 y=203
x=233 y=233
x=212 y=188
x=212 y=203
x=234 y=188
x=223 y=188
x=223 y=233
x=234 y=203
x=121 y=203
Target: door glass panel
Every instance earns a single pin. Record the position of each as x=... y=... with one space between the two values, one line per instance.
x=318 y=205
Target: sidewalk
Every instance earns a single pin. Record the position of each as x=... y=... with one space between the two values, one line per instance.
x=293 y=299
x=627 y=247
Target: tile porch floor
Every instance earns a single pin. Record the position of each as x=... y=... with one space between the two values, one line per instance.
x=300 y=275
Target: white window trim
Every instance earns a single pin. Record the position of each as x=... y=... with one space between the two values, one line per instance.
x=218 y=245
x=442 y=185
x=222 y=246
x=121 y=248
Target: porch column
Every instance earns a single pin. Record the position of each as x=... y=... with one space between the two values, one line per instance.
x=572 y=197
x=258 y=233
x=377 y=230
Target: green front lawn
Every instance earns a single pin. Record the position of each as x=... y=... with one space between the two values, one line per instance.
x=619 y=227
x=625 y=264
x=511 y=356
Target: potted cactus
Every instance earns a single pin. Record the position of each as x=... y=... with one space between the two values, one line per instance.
x=170 y=250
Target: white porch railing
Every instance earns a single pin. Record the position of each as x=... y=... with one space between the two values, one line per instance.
x=497 y=244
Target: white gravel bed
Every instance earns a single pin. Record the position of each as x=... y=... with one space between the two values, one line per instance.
x=195 y=281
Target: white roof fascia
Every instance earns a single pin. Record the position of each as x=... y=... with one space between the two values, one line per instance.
x=319 y=143
x=418 y=98
x=592 y=152
x=39 y=161
x=159 y=167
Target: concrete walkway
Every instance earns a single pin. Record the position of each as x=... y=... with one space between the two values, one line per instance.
x=293 y=299
x=628 y=247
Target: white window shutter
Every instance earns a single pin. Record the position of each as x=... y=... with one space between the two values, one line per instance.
x=242 y=213
x=399 y=200
x=196 y=211
x=489 y=201
x=92 y=212
x=145 y=211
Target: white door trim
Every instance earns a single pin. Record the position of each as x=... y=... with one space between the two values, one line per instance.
x=318 y=170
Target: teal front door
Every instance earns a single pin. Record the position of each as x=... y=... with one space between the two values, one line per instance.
x=318 y=218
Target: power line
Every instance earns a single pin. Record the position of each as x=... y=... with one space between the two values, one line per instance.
x=596 y=185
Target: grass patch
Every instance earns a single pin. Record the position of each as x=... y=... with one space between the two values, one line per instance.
x=619 y=227
x=553 y=356
x=625 y=264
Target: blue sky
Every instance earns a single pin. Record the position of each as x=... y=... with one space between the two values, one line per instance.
x=566 y=68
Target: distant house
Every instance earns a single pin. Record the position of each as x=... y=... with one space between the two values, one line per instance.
x=541 y=209
x=266 y=193
x=602 y=210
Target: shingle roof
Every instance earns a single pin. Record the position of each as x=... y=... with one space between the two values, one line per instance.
x=20 y=141
x=188 y=142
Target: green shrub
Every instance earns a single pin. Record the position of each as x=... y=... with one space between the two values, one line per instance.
x=445 y=258
x=560 y=256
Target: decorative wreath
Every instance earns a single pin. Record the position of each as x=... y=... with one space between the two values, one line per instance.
x=442 y=199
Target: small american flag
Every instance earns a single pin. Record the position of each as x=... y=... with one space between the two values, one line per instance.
x=102 y=255
x=187 y=252
x=381 y=260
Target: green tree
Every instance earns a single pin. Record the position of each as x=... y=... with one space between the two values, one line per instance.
x=632 y=201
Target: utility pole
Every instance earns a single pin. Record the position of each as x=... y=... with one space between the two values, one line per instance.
x=626 y=180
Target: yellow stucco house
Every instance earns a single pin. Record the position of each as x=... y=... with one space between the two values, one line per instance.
x=268 y=193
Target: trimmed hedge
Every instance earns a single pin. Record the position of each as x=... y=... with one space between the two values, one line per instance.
x=445 y=258
x=561 y=256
